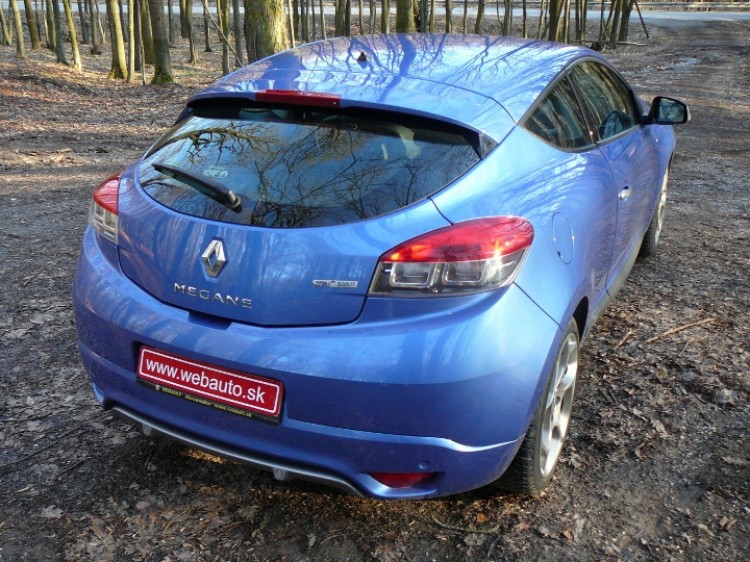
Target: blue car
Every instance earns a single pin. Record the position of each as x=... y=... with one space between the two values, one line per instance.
x=370 y=261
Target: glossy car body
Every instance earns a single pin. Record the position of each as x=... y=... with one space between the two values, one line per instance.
x=374 y=381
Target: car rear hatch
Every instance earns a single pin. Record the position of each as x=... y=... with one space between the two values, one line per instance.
x=275 y=213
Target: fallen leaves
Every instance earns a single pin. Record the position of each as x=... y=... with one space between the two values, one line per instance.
x=52 y=512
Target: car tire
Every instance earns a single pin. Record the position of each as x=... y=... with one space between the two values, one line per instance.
x=534 y=465
x=653 y=233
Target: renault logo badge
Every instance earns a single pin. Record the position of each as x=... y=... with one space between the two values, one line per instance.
x=214 y=259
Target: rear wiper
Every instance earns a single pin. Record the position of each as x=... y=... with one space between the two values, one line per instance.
x=207 y=187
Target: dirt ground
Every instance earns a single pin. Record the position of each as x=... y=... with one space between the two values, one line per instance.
x=657 y=466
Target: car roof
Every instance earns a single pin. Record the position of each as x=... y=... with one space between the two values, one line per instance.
x=457 y=78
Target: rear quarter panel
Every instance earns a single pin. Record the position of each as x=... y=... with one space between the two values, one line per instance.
x=570 y=201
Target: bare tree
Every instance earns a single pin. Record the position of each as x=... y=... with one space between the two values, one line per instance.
x=480 y=16
x=49 y=25
x=147 y=32
x=405 y=16
x=237 y=31
x=194 y=54
x=162 y=60
x=339 y=18
x=6 y=38
x=267 y=30
x=36 y=42
x=72 y=35
x=206 y=29
x=20 y=47
x=83 y=13
x=222 y=12
x=119 y=69
x=96 y=32
x=132 y=44
x=59 y=43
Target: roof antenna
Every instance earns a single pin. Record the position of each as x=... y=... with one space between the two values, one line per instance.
x=362 y=58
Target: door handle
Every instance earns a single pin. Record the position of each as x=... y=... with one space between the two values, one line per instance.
x=625 y=193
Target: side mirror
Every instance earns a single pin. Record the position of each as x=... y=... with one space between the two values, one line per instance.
x=667 y=111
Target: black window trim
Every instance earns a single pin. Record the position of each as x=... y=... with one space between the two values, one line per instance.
x=635 y=107
x=566 y=74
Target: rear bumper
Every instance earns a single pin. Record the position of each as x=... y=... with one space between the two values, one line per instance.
x=447 y=388
x=282 y=470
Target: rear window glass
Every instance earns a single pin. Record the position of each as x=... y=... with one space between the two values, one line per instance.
x=291 y=167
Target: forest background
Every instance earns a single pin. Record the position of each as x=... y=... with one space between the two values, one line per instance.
x=141 y=32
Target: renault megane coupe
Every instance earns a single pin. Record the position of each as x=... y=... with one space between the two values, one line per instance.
x=370 y=261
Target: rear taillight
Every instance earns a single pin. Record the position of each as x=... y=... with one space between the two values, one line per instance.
x=467 y=257
x=103 y=210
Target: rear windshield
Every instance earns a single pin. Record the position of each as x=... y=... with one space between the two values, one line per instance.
x=291 y=167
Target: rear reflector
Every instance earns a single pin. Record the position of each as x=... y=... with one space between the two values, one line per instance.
x=295 y=97
x=402 y=479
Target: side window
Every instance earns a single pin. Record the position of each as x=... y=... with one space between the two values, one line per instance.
x=607 y=100
x=558 y=120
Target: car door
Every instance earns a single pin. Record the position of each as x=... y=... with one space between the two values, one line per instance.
x=614 y=118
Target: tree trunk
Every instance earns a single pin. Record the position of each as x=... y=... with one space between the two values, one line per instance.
x=36 y=42
x=555 y=15
x=627 y=8
x=147 y=33
x=83 y=13
x=194 y=54
x=162 y=60
x=582 y=7
x=294 y=17
x=323 y=29
x=207 y=28
x=339 y=18
x=20 y=46
x=170 y=20
x=313 y=22
x=268 y=33
x=186 y=20
x=507 y=18
x=237 y=30
x=405 y=16
x=385 y=16
x=59 y=42
x=5 y=36
x=123 y=21
x=185 y=7
x=614 y=29
x=49 y=25
x=133 y=43
x=222 y=11
x=480 y=17
x=139 y=54
x=119 y=68
x=448 y=16
x=95 y=31
x=72 y=34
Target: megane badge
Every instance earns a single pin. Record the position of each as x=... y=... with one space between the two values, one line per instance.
x=214 y=259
